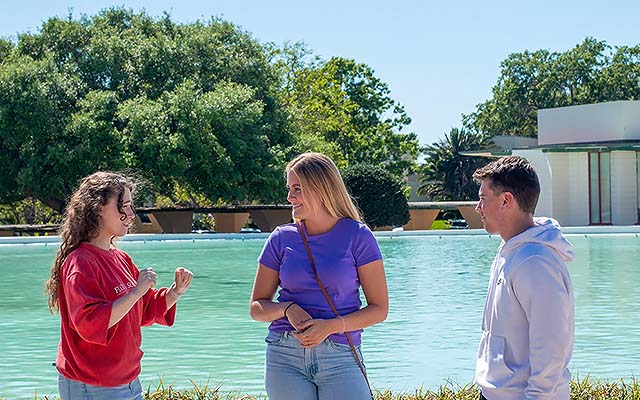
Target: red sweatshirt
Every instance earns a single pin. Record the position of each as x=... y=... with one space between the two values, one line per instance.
x=91 y=279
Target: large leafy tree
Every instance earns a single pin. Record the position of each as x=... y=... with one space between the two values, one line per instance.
x=28 y=211
x=195 y=108
x=36 y=104
x=5 y=48
x=447 y=174
x=341 y=108
x=204 y=111
x=590 y=72
x=620 y=78
x=204 y=141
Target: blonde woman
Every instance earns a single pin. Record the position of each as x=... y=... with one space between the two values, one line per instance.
x=102 y=297
x=308 y=346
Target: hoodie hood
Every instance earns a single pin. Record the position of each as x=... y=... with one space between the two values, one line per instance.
x=546 y=231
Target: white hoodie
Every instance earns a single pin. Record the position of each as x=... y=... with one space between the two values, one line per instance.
x=528 y=322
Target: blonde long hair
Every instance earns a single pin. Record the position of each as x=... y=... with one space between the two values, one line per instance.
x=319 y=173
x=82 y=221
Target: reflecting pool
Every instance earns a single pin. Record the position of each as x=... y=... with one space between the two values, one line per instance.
x=437 y=288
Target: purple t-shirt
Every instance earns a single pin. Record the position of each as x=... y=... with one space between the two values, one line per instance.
x=337 y=255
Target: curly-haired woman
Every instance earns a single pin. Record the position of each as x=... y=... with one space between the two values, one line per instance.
x=102 y=297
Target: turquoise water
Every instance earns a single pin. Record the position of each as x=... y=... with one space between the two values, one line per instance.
x=437 y=288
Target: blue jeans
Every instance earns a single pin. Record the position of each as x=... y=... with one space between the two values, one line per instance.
x=74 y=390
x=325 y=372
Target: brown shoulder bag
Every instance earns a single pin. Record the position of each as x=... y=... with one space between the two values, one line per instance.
x=333 y=307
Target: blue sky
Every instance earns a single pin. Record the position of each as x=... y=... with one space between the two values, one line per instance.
x=438 y=59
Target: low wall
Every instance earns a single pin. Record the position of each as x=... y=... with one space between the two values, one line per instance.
x=134 y=237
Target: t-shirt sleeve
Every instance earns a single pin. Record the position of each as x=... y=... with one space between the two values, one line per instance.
x=365 y=247
x=271 y=255
x=88 y=307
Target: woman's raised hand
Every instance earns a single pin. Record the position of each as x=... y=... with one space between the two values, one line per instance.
x=146 y=280
x=182 y=280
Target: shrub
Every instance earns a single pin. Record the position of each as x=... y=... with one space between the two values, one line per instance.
x=379 y=195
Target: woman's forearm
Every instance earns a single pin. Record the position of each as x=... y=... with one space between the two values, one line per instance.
x=264 y=310
x=122 y=306
x=365 y=317
x=172 y=297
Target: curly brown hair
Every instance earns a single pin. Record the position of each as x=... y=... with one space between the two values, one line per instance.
x=81 y=221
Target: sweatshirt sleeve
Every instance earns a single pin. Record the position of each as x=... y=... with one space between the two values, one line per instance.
x=88 y=307
x=154 y=309
x=546 y=299
x=154 y=302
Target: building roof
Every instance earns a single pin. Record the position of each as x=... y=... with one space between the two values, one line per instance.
x=629 y=145
x=615 y=121
x=607 y=126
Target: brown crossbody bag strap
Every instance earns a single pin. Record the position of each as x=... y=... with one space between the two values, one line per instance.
x=335 y=311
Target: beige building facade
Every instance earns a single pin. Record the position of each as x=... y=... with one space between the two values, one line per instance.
x=588 y=160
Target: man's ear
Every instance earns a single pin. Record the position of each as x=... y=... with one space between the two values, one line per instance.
x=508 y=199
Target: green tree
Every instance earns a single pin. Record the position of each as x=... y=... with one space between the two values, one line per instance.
x=28 y=211
x=341 y=108
x=447 y=174
x=203 y=110
x=190 y=140
x=620 y=79
x=379 y=195
x=305 y=122
x=36 y=102
x=590 y=72
x=193 y=107
x=5 y=49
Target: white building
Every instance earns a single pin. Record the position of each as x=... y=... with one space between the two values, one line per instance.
x=588 y=161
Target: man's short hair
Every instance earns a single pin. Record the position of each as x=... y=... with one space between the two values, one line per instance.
x=515 y=175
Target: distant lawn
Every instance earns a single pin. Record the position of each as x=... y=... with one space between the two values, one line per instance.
x=440 y=224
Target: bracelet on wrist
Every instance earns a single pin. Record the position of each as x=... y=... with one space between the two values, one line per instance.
x=175 y=292
x=286 y=308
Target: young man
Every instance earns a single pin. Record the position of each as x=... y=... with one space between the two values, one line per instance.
x=528 y=322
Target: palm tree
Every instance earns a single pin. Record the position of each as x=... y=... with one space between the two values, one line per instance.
x=447 y=174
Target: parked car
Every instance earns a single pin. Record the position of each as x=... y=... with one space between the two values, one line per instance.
x=459 y=224
x=250 y=230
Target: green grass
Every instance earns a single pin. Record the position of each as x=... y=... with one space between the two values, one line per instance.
x=581 y=389
x=440 y=224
